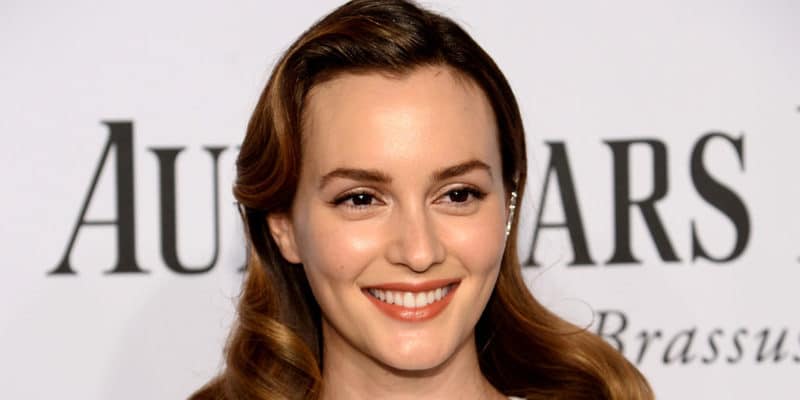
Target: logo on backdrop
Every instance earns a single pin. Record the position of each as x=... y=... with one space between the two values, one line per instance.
x=120 y=138
x=692 y=345
x=714 y=192
x=697 y=345
x=557 y=175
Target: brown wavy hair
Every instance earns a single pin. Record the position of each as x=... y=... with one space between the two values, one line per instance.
x=274 y=350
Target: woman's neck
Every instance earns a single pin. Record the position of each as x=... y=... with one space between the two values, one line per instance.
x=350 y=374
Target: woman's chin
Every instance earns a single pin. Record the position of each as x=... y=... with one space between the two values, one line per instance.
x=414 y=365
x=415 y=358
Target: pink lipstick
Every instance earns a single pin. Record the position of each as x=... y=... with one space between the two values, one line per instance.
x=412 y=302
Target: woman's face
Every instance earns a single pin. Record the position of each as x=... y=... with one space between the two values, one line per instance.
x=400 y=195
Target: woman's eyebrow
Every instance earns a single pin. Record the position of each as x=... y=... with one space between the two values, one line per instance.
x=356 y=174
x=461 y=169
x=376 y=176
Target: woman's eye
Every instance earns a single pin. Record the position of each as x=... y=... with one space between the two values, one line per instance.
x=461 y=195
x=360 y=199
x=458 y=196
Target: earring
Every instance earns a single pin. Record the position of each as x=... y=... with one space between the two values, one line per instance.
x=511 y=208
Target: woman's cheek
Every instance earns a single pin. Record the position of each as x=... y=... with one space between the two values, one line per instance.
x=478 y=243
x=341 y=249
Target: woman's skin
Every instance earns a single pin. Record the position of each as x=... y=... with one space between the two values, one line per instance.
x=370 y=211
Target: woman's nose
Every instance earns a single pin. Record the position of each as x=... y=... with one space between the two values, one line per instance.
x=414 y=240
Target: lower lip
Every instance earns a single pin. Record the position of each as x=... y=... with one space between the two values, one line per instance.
x=420 y=314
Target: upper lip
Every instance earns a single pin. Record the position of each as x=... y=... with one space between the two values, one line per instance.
x=414 y=286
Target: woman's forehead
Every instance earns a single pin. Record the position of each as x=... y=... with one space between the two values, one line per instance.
x=428 y=116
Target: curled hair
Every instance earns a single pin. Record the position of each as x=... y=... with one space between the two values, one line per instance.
x=274 y=351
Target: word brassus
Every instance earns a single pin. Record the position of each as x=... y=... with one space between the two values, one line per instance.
x=695 y=345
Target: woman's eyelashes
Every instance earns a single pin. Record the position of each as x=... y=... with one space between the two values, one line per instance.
x=460 y=197
x=358 y=199
x=457 y=197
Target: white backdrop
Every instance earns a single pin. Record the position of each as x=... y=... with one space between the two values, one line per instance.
x=590 y=77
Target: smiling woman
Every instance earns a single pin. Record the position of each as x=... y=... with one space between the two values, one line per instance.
x=378 y=181
x=429 y=217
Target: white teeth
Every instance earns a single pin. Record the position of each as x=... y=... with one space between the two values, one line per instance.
x=420 y=300
x=410 y=299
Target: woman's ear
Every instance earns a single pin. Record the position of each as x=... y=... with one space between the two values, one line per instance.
x=281 y=229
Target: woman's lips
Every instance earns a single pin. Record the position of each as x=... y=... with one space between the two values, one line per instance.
x=424 y=303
